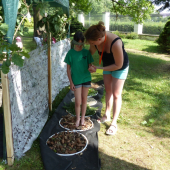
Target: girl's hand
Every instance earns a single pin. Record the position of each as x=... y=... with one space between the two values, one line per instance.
x=92 y=69
x=72 y=87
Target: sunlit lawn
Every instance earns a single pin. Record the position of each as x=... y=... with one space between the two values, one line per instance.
x=142 y=45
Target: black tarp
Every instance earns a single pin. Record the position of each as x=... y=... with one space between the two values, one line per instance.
x=1 y=135
x=89 y=159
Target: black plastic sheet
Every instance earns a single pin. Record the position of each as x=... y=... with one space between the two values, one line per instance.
x=88 y=159
x=1 y=135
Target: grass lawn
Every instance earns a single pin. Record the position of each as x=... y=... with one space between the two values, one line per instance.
x=143 y=138
x=142 y=45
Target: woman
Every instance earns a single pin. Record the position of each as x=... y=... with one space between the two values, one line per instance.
x=115 y=69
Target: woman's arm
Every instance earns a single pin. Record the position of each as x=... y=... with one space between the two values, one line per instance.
x=72 y=87
x=92 y=49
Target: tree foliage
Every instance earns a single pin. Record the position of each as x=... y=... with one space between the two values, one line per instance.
x=100 y=6
x=56 y=23
x=165 y=4
x=77 y=6
x=9 y=53
x=139 y=10
x=164 y=38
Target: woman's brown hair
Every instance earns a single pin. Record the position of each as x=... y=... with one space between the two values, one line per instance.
x=95 y=31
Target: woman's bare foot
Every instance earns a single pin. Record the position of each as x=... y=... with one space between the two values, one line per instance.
x=103 y=119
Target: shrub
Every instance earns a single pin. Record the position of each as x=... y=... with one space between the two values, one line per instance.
x=164 y=38
x=76 y=26
x=122 y=26
x=132 y=35
x=29 y=24
x=121 y=35
x=153 y=28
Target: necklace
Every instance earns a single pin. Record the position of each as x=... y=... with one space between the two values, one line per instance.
x=100 y=60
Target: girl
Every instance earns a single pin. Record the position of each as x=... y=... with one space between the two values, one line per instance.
x=78 y=61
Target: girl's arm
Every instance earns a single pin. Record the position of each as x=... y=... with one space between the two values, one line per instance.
x=72 y=87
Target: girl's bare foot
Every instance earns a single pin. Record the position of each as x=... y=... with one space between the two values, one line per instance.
x=77 y=123
x=82 y=122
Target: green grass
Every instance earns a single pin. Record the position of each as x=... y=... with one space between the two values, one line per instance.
x=143 y=137
x=142 y=45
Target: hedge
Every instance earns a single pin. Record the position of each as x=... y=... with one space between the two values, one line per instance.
x=148 y=27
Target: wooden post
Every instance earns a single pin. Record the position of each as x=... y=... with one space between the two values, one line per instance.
x=49 y=72
x=7 y=118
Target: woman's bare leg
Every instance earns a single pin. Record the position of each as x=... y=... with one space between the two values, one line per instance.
x=117 y=87
x=84 y=104
x=77 y=94
x=109 y=96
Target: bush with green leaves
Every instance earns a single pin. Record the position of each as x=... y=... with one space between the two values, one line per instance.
x=76 y=26
x=29 y=23
x=153 y=27
x=57 y=24
x=70 y=108
x=9 y=53
x=164 y=38
x=121 y=35
x=122 y=26
x=132 y=35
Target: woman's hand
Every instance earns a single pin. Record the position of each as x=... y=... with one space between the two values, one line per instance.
x=92 y=69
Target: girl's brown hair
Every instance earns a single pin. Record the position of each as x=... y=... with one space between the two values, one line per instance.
x=95 y=31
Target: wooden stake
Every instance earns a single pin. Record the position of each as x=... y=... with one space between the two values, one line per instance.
x=7 y=118
x=49 y=72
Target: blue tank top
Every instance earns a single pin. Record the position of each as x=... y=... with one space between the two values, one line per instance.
x=108 y=58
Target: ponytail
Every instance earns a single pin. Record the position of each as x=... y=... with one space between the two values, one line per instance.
x=95 y=31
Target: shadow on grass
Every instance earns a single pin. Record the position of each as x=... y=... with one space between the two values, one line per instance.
x=112 y=163
x=154 y=49
x=144 y=69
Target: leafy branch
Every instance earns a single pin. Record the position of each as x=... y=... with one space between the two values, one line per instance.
x=9 y=53
x=139 y=10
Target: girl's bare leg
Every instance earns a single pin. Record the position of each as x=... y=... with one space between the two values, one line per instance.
x=84 y=104
x=77 y=94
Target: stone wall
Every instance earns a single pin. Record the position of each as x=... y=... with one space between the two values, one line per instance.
x=29 y=93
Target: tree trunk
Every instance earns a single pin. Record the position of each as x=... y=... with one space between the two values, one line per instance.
x=37 y=17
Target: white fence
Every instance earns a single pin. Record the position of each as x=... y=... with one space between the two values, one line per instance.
x=111 y=22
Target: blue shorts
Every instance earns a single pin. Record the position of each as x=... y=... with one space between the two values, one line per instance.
x=119 y=74
x=86 y=84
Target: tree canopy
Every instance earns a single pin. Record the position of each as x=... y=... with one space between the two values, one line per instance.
x=164 y=4
x=100 y=6
x=139 y=10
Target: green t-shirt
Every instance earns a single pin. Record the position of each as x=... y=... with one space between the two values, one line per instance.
x=79 y=61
